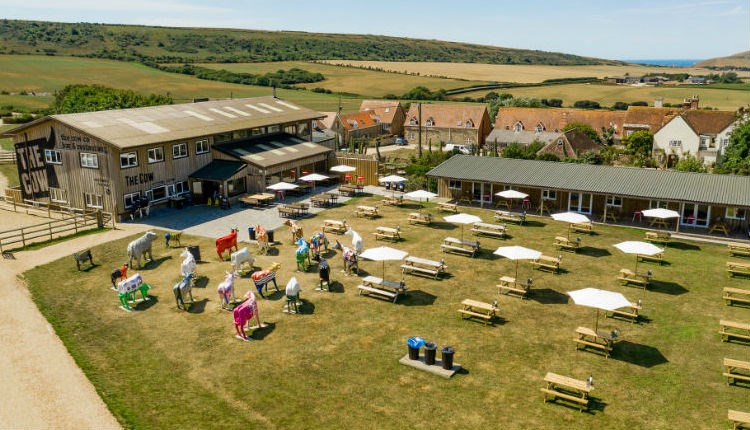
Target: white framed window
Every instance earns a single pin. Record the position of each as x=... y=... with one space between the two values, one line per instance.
x=129 y=199
x=549 y=194
x=411 y=135
x=413 y=121
x=201 y=146
x=155 y=155
x=539 y=128
x=614 y=201
x=158 y=193
x=58 y=195
x=430 y=122
x=675 y=143
x=52 y=156
x=732 y=213
x=456 y=185
x=655 y=204
x=181 y=187
x=179 y=150
x=128 y=159
x=93 y=200
x=518 y=126
x=580 y=202
x=89 y=160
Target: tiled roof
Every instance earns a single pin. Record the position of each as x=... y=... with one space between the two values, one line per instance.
x=708 y=122
x=385 y=110
x=521 y=137
x=649 y=117
x=574 y=143
x=671 y=185
x=357 y=120
x=556 y=119
x=445 y=115
x=127 y=128
x=327 y=121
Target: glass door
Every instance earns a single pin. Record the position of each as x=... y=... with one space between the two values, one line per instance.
x=580 y=202
x=695 y=215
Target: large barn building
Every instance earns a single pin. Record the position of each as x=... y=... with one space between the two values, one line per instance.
x=106 y=160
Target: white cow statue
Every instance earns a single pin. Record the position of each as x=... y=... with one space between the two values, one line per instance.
x=238 y=258
x=140 y=247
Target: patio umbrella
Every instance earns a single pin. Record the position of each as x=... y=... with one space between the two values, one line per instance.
x=282 y=186
x=571 y=218
x=638 y=248
x=342 y=168
x=463 y=219
x=392 y=179
x=312 y=177
x=383 y=253
x=661 y=213
x=512 y=194
x=599 y=299
x=420 y=194
x=517 y=253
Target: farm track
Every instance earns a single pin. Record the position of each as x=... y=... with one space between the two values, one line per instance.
x=44 y=387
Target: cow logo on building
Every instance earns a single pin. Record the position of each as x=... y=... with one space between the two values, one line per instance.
x=35 y=175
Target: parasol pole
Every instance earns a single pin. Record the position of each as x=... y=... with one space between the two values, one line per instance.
x=636 y=264
x=596 y=324
x=516 y=270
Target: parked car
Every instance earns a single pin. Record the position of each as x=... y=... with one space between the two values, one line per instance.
x=460 y=148
x=400 y=141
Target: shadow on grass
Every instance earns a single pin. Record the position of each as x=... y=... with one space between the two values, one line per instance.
x=533 y=223
x=412 y=206
x=548 y=296
x=666 y=287
x=144 y=305
x=417 y=298
x=201 y=282
x=197 y=307
x=306 y=307
x=594 y=252
x=89 y=267
x=260 y=333
x=273 y=251
x=442 y=225
x=273 y=295
x=640 y=355
x=155 y=263
x=684 y=246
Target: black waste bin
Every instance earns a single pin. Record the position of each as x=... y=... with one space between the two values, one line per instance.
x=270 y=236
x=251 y=232
x=413 y=353
x=196 y=251
x=447 y=354
x=430 y=348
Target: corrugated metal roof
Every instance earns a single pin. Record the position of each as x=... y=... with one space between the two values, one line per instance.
x=127 y=128
x=218 y=170
x=623 y=181
x=271 y=150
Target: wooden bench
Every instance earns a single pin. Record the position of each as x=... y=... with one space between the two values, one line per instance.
x=393 y=200
x=740 y=420
x=506 y=216
x=393 y=234
x=563 y=243
x=460 y=246
x=448 y=207
x=629 y=312
x=547 y=262
x=477 y=309
x=736 y=295
x=563 y=387
x=348 y=190
x=658 y=236
x=582 y=227
x=334 y=226
x=421 y=265
x=320 y=200
x=731 y=329
x=367 y=211
x=736 y=369
x=508 y=285
x=627 y=276
x=287 y=212
x=657 y=258
x=590 y=338
x=737 y=268
x=381 y=287
x=420 y=218
x=488 y=229
x=742 y=249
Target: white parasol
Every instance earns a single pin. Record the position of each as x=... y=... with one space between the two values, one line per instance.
x=282 y=186
x=420 y=194
x=638 y=248
x=599 y=299
x=517 y=253
x=383 y=253
x=512 y=194
x=571 y=218
x=462 y=218
x=312 y=177
x=342 y=168
x=392 y=179
x=661 y=213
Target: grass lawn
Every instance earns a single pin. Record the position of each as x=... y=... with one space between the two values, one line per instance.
x=337 y=366
x=351 y=80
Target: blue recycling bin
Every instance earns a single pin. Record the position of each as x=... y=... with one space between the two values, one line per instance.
x=251 y=233
x=414 y=343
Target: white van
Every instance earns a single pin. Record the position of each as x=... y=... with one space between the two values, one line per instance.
x=461 y=148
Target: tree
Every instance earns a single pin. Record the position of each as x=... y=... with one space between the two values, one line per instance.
x=640 y=143
x=89 y=98
x=620 y=106
x=736 y=156
x=527 y=152
x=586 y=104
x=688 y=163
x=585 y=129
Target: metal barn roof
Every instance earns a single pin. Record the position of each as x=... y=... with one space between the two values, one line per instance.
x=272 y=150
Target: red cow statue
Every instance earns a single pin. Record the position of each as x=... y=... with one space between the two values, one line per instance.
x=227 y=242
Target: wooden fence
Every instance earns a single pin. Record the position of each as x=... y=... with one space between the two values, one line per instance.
x=21 y=237
x=7 y=157
x=366 y=165
x=12 y=200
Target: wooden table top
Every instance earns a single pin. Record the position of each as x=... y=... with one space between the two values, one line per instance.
x=478 y=305
x=424 y=261
x=568 y=382
x=508 y=279
x=471 y=243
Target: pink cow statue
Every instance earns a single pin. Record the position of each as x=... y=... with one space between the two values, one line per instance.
x=244 y=313
x=227 y=242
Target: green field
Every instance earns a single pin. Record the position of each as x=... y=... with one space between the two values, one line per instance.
x=48 y=74
x=607 y=95
x=336 y=366
x=352 y=80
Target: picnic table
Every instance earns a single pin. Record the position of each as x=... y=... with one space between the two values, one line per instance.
x=422 y=265
x=287 y=211
x=736 y=369
x=628 y=312
x=563 y=243
x=508 y=285
x=719 y=226
x=547 y=262
x=488 y=229
x=448 y=207
x=324 y=199
x=737 y=268
x=736 y=295
x=261 y=199
x=420 y=218
x=658 y=222
x=627 y=276
x=301 y=208
x=477 y=309
x=460 y=246
x=564 y=387
x=507 y=216
x=598 y=340
x=381 y=287
x=393 y=200
x=736 y=248
x=367 y=211
x=334 y=226
x=740 y=420
x=581 y=227
x=658 y=236
x=350 y=189
x=393 y=234
x=731 y=329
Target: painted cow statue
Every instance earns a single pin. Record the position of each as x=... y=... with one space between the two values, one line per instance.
x=140 y=248
x=292 y=296
x=239 y=258
x=226 y=290
x=357 y=243
x=351 y=264
x=118 y=275
x=244 y=313
x=302 y=255
x=262 y=278
x=126 y=290
x=183 y=289
x=261 y=236
x=318 y=242
x=227 y=242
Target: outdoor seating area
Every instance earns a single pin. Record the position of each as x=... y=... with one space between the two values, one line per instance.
x=293 y=210
x=324 y=199
x=581 y=227
x=334 y=226
x=486 y=229
x=737 y=268
x=448 y=207
x=388 y=233
x=508 y=285
x=734 y=330
x=627 y=276
x=366 y=211
x=262 y=199
x=566 y=388
x=423 y=218
x=736 y=295
x=564 y=244
x=461 y=246
x=350 y=190
x=393 y=200
x=629 y=313
x=476 y=309
x=547 y=262
x=415 y=265
x=599 y=341
x=506 y=216
x=736 y=370
x=373 y=285
x=656 y=258
x=662 y=237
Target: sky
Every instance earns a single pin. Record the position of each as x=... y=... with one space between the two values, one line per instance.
x=633 y=29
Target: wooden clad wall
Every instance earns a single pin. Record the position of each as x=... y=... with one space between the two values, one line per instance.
x=366 y=166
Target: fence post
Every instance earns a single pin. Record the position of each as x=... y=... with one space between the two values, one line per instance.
x=23 y=239
x=49 y=224
x=75 y=222
x=99 y=219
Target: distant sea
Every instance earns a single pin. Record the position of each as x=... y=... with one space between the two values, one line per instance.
x=669 y=63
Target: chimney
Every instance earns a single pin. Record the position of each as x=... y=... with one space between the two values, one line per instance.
x=658 y=102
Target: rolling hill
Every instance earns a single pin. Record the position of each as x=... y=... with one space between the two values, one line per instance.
x=741 y=59
x=173 y=45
